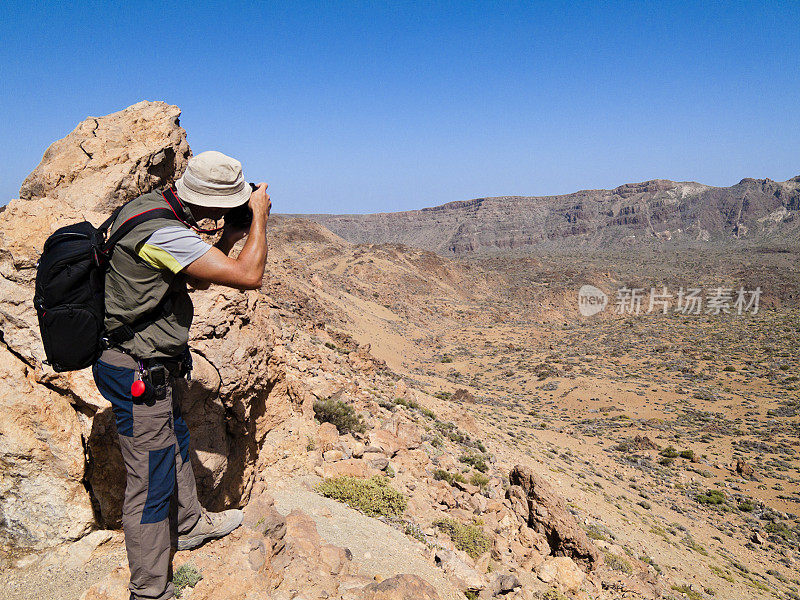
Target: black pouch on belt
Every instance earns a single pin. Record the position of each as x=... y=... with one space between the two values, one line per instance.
x=149 y=384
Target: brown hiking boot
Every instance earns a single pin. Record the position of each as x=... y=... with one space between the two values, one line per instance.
x=210 y=526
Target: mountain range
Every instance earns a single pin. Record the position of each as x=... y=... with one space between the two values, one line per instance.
x=656 y=212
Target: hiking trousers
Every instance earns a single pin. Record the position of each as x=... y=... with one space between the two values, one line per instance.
x=160 y=493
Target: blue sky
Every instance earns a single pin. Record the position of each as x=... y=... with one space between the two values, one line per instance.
x=384 y=106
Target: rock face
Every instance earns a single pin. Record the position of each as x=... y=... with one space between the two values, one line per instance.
x=656 y=212
x=62 y=473
x=544 y=511
x=108 y=160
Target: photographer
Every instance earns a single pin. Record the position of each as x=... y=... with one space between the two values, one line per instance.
x=148 y=315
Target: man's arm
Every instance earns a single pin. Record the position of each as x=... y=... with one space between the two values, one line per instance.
x=246 y=271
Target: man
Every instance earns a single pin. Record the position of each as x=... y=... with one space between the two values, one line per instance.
x=148 y=314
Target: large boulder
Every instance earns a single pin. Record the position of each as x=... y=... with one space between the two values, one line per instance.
x=544 y=511
x=106 y=161
x=61 y=472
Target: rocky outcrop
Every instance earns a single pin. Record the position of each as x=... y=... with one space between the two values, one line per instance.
x=535 y=502
x=62 y=473
x=108 y=160
x=652 y=212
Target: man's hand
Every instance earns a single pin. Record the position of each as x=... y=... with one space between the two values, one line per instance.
x=246 y=270
x=259 y=201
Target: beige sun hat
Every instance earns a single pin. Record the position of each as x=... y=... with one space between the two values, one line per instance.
x=213 y=179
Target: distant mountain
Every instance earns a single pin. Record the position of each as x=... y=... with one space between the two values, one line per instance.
x=658 y=212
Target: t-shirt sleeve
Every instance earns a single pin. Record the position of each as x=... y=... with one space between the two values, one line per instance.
x=172 y=248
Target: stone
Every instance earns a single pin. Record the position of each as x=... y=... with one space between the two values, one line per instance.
x=332 y=455
x=107 y=160
x=463 y=395
x=400 y=587
x=744 y=469
x=467 y=577
x=327 y=437
x=562 y=571
x=354 y=467
x=504 y=583
x=386 y=441
x=43 y=502
x=547 y=513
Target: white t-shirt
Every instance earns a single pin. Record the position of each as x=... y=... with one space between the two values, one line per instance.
x=173 y=248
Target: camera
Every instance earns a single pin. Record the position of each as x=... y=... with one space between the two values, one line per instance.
x=241 y=216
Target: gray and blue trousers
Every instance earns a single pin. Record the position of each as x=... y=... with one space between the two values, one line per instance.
x=160 y=494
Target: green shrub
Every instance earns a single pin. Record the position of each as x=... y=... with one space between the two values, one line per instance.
x=714 y=497
x=341 y=414
x=469 y=538
x=553 y=594
x=479 y=479
x=186 y=576
x=746 y=505
x=688 y=454
x=729 y=369
x=779 y=529
x=688 y=592
x=618 y=563
x=373 y=496
x=475 y=460
x=445 y=475
x=447 y=359
x=699 y=548
x=669 y=452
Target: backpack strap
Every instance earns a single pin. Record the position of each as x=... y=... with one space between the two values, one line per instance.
x=129 y=224
x=124 y=333
x=175 y=204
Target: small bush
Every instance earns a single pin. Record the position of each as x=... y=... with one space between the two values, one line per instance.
x=469 y=538
x=687 y=454
x=374 y=497
x=451 y=478
x=618 y=563
x=553 y=594
x=746 y=505
x=688 y=592
x=475 y=460
x=713 y=497
x=669 y=452
x=186 y=576
x=779 y=529
x=595 y=533
x=341 y=414
x=699 y=548
x=479 y=479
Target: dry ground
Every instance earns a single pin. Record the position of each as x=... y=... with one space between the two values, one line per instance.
x=638 y=420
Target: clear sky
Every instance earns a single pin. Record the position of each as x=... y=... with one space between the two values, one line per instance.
x=384 y=106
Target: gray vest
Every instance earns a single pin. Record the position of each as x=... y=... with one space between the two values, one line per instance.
x=134 y=288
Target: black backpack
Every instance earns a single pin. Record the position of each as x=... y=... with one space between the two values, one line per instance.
x=69 y=297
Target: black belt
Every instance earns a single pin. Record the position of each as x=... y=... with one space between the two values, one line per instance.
x=177 y=366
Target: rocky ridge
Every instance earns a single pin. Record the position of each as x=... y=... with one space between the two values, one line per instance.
x=658 y=213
